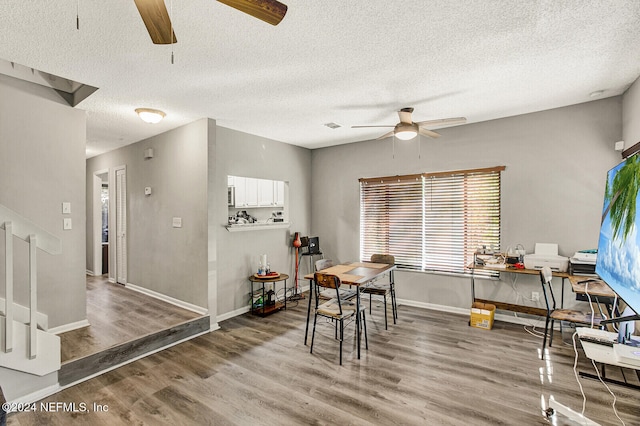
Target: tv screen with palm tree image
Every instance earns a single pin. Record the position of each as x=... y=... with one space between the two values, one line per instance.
x=618 y=261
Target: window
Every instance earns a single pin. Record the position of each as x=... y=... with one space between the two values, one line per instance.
x=431 y=221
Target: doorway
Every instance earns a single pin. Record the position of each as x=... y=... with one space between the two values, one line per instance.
x=100 y=222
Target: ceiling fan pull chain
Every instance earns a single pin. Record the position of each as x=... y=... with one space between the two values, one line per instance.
x=78 y=15
x=171 y=29
x=419 y=145
x=393 y=144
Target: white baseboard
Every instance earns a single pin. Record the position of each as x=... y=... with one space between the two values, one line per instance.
x=180 y=303
x=232 y=314
x=37 y=395
x=90 y=273
x=69 y=327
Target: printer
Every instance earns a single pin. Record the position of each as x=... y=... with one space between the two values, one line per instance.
x=583 y=263
x=546 y=255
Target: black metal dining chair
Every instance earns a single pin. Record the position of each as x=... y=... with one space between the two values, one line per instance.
x=343 y=312
x=384 y=289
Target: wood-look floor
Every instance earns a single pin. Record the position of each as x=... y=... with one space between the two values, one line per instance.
x=429 y=369
x=117 y=315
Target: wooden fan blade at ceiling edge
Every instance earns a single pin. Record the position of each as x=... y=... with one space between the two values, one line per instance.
x=386 y=135
x=383 y=125
x=443 y=122
x=269 y=11
x=156 y=18
x=429 y=133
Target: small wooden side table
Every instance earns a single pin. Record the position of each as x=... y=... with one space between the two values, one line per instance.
x=259 y=304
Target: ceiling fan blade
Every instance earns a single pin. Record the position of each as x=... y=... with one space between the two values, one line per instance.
x=359 y=127
x=386 y=135
x=429 y=133
x=443 y=122
x=269 y=11
x=156 y=19
x=405 y=115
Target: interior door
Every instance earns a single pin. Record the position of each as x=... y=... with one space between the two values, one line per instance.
x=97 y=225
x=121 y=226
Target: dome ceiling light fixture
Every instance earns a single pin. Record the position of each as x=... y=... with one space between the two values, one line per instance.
x=149 y=115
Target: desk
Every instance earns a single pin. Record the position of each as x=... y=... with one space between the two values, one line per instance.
x=508 y=306
x=358 y=274
x=598 y=290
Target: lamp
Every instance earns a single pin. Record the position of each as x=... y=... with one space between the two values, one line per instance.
x=149 y=115
x=405 y=131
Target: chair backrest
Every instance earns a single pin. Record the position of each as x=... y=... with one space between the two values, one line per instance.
x=327 y=280
x=383 y=258
x=323 y=264
x=545 y=278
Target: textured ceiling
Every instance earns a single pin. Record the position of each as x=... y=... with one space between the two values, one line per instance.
x=348 y=62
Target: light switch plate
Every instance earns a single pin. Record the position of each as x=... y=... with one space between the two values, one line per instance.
x=66 y=207
x=147 y=190
x=177 y=222
x=66 y=223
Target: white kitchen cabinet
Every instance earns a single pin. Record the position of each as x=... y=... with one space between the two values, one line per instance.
x=278 y=193
x=265 y=193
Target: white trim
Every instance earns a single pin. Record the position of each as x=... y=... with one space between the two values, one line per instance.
x=180 y=303
x=235 y=313
x=90 y=273
x=69 y=327
x=112 y=280
x=46 y=392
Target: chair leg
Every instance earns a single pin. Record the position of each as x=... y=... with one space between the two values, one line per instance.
x=394 y=306
x=341 y=339
x=364 y=322
x=544 y=338
x=369 y=303
x=313 y=333
x=551 y=333
x=386 y=327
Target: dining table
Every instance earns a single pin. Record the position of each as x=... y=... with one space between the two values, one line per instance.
x=357 y=274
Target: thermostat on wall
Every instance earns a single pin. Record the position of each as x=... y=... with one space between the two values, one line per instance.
x=147 y=190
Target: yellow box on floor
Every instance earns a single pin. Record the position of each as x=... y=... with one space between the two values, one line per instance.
x=482 y=315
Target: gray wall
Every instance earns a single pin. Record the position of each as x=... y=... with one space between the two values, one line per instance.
x=552 y=189
x=242 y=154
x=167 y=260
x=42 y=165
x=631 y=115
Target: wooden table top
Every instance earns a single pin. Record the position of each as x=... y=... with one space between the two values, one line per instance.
x=596 y=287
x=266 y=279
x=514 y=270
x=356 y=273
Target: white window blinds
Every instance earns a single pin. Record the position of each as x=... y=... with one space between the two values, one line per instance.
x=431 y=221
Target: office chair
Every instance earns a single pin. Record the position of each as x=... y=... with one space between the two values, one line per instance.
x=569 y=315
x=384 y=289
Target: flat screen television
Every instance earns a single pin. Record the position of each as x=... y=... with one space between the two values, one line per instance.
x=618 y=260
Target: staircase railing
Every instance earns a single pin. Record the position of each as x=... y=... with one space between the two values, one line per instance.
x=16 y=225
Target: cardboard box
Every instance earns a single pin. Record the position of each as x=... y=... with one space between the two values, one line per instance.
x=482 y=315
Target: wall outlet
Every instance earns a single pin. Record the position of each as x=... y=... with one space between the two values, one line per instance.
x=535 y=296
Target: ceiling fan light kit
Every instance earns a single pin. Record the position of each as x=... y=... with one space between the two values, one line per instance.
x=405 y=131
x=149 y=115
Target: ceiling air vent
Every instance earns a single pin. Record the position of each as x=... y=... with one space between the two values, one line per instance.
x=332 y=125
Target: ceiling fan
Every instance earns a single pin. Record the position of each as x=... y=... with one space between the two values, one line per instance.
x=407 y=129
x=156 y=18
